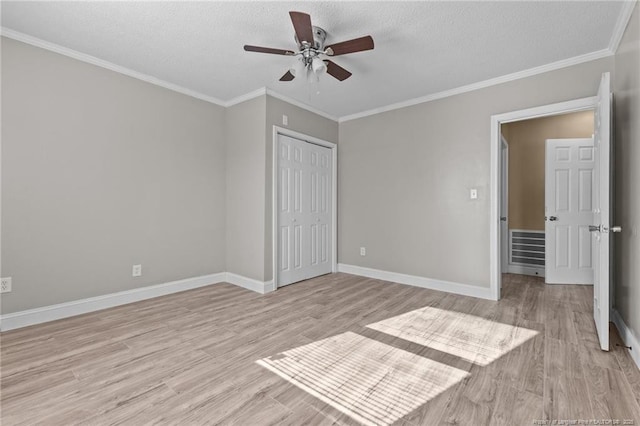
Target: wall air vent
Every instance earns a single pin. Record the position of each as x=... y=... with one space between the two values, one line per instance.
x=526 y=252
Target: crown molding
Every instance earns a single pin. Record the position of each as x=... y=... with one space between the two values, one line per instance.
x=302 y=105
x=592 y=56
x=621 y=24
x=270 y=92
x=56 y=48
x=246 y=97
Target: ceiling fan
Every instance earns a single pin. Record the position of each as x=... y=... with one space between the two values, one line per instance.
x=311 y=50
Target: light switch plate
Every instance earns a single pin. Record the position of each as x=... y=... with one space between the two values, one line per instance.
x=473 y=194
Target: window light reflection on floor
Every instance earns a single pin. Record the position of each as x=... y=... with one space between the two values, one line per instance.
x=469 y=337
x=372 y=382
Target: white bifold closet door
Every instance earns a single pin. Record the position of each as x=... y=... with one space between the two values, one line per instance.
x=304 y=210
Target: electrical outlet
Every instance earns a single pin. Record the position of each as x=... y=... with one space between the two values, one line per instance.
x=5 y=286
x=363 y=251
x=136 y=271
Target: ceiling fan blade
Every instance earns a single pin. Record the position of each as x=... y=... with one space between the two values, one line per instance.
x=350 y=46
x=287 y=77
x=337 y=71
x=302 y=25
x=268 y=50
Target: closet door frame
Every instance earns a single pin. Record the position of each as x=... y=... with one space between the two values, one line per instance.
x=274 y=196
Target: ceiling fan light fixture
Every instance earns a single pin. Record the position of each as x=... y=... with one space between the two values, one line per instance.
x=297 y=69
x=318 y=66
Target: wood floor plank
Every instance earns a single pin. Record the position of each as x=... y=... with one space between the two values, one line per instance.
x=627 y=365
x=463 y=411
x=400 y=355
x=306 y=415
x=516 y=407
x=566 y=398
x=524 y=366
x=563 y=358
x=610 y=394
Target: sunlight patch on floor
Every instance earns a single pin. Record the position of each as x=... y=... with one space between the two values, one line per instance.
x=370 y=381
x=469 y=337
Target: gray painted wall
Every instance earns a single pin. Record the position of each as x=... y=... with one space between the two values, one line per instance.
x=626 y=90
x=99 y=172
x=405 y=177
x=245 y=202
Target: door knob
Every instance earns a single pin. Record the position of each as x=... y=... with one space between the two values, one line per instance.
x=503 y=219
x=594 y=228
x=553 y=218
x=616 y=229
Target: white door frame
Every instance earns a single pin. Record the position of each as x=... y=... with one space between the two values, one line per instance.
x=575 y=105
x=504 y=200
x=274 y=195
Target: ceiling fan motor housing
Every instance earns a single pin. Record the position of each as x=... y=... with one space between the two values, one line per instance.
x=319 y=37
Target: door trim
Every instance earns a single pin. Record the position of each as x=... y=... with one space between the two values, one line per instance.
x=495 y=277
x=274 y=195
x=505 y=250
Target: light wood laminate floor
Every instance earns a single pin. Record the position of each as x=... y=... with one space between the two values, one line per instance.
x=338 y=349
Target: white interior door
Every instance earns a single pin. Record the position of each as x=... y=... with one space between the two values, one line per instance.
x=601 y=210
x=569 y=184
x=504 y=207
x=304 y=210
x=320 y=188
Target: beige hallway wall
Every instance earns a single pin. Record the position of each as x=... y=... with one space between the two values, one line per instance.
x=527 y=162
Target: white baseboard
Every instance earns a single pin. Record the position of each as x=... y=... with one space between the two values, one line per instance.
x=525 y=270
x=627 y=335
x=91 y=304
x=447 y=286
x=249 y=283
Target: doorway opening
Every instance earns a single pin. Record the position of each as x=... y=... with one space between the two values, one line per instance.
x=601 y=196
x=546 y=197
x=495 y=243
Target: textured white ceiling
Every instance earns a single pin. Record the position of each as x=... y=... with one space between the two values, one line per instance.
x=420 y=47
